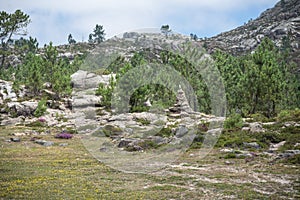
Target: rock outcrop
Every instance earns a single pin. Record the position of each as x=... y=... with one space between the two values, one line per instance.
x=280 y=23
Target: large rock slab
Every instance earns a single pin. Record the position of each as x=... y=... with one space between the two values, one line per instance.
x=25 y=108
x=86 y=80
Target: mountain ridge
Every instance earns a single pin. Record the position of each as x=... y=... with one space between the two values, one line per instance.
x=280 y=23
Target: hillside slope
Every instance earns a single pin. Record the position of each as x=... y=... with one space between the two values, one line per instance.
x=280 y=23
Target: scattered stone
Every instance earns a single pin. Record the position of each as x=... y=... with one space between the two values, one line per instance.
x=11 y=121
x=288 y=124
x=136 y=148
x=181 y=131
x=15 y=139
x=158 y=140
x=251 y=145
x=246 y=129
x=227 y=150
x=63 y=144
x=215 y=131
x=256 y=127
x=287 y=154
x=268 y=123
x=125 y=142
x=275 y=147
x=19 y=134
x=227 y=162
x=48 y=144
x=44 y=143
x=296 y=151
x=103 y=149
x=245 y=155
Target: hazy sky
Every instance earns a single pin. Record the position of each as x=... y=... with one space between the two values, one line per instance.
x=53 y=20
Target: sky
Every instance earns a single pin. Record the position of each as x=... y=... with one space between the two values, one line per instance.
x=54 y=20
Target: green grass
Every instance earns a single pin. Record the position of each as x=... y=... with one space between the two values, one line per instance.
x=143 y=121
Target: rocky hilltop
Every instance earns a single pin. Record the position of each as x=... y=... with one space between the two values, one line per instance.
x=280 y=23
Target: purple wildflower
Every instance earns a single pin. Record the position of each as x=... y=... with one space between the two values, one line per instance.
x=64 y=135
x=43 y=120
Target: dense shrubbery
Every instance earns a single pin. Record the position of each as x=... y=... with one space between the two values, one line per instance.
x=289 y=115
x=161 y=96
x=263 y=82
x=234 y=121
x=39 y=69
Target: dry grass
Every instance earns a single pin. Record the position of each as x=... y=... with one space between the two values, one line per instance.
x=31 y=171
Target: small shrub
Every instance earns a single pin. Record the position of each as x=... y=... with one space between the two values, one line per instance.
x=37 y=123
x=148 y=144
x=289 y=115
x=258 y=117
x=139 y=109
x=143 y=121
x=60 y=118
x=268 y=137
x=233 y=139
x=71 y=130
x=41 y=108
x=230 y=156
x=295 y=159
x=234 y=121
x=110 y=130
x=165 y=132
x=291 y=141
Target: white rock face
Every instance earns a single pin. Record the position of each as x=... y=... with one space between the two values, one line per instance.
x=86 y=80
x=6 y=91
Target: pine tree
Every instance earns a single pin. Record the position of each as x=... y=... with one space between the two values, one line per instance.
x=165 y=29
x=98 y=34
x=71 y=40
x=11 y=24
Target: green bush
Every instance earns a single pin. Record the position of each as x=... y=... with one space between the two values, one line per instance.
x=37 y=124
x=229 y=156
x=258 y=117
x=268 y=137
x=234 y=121
x=148 y=144
x=165 y=132
x=41 y=108
x=289 y=115
x=139 y=109
x=293 y=159
x=143 y=121
x=110 y=130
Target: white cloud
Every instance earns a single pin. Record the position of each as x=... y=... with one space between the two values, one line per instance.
x=55 y=19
